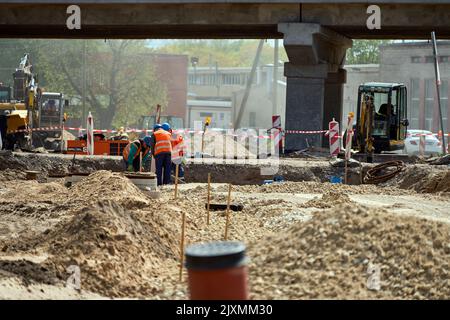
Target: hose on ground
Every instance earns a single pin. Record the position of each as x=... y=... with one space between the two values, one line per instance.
x=375 y=175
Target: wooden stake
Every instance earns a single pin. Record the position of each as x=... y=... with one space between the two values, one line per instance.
x=228 y=212
x=208 y=198
x=346 y=171
x=183 y=227
x=176 y=179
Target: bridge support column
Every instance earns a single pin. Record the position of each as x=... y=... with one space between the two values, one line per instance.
x=314 y=80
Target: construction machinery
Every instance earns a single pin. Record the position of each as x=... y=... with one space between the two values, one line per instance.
x=381 y=121
x=24 y=108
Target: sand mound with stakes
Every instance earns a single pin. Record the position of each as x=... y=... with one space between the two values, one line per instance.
x=335 y=254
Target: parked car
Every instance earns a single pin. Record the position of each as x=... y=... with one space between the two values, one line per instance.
x=412 y=142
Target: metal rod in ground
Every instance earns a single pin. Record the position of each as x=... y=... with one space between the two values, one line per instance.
x=177 y=168
x=183 y=228
x=438 y=86
x=227 y=223
x=208 y=198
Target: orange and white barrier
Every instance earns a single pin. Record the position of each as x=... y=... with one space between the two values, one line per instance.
x=333 y=135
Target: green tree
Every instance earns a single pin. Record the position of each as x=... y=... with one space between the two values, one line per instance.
x=121 y=80
x=227 y=53
x=365 y=51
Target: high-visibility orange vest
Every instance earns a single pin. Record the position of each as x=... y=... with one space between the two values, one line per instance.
x=162 y=143
x=138 y=143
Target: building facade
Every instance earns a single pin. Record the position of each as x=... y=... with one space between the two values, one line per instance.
x=411 y=63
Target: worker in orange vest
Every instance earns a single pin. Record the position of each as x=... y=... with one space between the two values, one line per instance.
x=132 y=154
x=162 y=151
x=178 y=151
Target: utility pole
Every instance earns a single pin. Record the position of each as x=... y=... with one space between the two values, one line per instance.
x=84 y=118
x=237 y=122
x=275 y=79
x=438 y=87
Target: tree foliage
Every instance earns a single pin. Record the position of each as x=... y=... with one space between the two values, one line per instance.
x=227 y=53
x=121 y=80
x=365 y=51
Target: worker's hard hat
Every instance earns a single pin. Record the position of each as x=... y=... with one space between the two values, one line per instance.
x=147 y=140
x=166 y=126
x=157 y=126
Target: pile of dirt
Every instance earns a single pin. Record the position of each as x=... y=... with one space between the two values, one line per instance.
x=107 y=185
x=57 y=164
x=318 y=187
x=329 y=199
x=423 y=178
x=341 y=252
x=9 y=175
x=125 y=244
x=118 y=251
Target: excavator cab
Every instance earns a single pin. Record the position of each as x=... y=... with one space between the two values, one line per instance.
x=381 y=117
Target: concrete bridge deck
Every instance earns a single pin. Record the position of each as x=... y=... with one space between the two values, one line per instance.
x=220 y=19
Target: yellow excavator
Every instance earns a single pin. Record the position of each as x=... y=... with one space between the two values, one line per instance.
x=24 y=107
x=18 y=106
x=381 y=121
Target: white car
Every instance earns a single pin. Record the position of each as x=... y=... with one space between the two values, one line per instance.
x=432 y=144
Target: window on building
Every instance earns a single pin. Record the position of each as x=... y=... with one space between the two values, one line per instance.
x=416 y=59
x=221 y=116
x=429 y=103
x=206 y=114
x=414 y=107
x=252 y=120
x=444 y=59
x=429 y=59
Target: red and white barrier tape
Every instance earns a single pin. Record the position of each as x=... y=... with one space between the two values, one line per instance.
x=305 y=132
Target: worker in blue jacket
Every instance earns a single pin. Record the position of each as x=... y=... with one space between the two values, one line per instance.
x=132 y=154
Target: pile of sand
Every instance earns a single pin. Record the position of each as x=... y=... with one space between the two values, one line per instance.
x=318 y=187
x=335 y=254
x=117 y=250
x=125 y=244
x=329 y=199
x=425 y=179
x=107 y=185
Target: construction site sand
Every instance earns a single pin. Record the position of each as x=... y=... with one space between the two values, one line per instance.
x=126 y=244
x=329 y=257
x=318 y=187
x=423 y=178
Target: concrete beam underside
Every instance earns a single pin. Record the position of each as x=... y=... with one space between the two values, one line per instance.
x=220 y=20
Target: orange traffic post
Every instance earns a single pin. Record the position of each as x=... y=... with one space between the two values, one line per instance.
x=208 y=198
x=227 y=223
x=217 y=271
